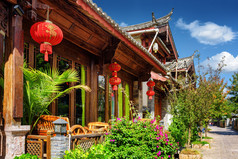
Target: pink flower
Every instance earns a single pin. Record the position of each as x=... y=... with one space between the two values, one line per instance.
x=178 y=143
x=157 y=146
x=167 y=140
x=152 y=121
x=118 y=119
x=166 y=143
x=113 y=140
x=144 y=126
x=139 y=118
x=157 y=138
x=157 y=127
x=159 y=153
x=169 y=156
x=155 y=157
x=171 y=144
x=166 y=135
x=154 y=129
x=106 y=133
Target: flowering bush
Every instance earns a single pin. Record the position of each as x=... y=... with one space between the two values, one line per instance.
x=139 y=139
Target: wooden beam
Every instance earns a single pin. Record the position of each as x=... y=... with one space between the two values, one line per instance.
x=13 y=79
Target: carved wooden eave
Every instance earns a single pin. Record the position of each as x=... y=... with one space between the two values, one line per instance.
x=91 y=10
x=77 y=28
x=130 y=61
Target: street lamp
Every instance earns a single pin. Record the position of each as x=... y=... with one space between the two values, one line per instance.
x=60 y=126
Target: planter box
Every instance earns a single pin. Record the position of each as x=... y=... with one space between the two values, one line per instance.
x=185 y=156
x=208 y=140
x=200 y=146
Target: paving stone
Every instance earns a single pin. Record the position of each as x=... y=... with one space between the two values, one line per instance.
x=224 y=145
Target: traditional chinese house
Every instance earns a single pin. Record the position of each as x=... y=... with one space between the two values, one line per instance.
x=91 y=42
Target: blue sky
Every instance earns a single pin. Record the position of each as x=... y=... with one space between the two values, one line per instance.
x=210 y=26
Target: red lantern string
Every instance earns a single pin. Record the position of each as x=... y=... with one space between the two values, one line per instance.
x=150 y=92
x=114 y=81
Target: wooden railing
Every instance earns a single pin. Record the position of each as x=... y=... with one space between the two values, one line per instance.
x=85 y=141
x=39 y=145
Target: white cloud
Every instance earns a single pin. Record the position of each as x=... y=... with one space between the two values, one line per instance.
x=207 y=33
x=123 y=24
x=230 y=61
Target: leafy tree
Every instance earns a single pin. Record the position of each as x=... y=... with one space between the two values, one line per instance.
x=233 y=88
x=42 y=88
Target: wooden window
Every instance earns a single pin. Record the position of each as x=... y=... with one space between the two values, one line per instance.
x=63 y=102
x=101 y=98
x=80 y=98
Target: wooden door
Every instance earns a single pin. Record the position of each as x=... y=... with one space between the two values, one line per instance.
x=158 y=106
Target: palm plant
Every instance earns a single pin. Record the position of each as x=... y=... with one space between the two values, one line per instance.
x=41 y=88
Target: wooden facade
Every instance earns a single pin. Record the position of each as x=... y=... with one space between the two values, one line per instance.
x=92 y=41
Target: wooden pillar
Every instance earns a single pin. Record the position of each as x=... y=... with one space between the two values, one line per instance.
x=106 y=98
x=72 y=110
x=13 y=90
x=93 y=94
x=116 y=103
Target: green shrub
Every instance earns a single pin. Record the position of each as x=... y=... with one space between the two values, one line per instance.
x=200 y=142
x=139 y=140
x=26 y=156
x=98 y=151
x=207 y=137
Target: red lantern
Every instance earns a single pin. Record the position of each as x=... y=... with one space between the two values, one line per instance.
x=114 y=81
x=150 y=93
x=150 y=83
x=114 y=67
x=47 y=34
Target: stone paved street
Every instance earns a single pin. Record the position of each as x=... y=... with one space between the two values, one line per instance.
x=224 y=146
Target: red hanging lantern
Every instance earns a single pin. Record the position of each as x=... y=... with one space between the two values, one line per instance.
x=150 y=93
x=47 y=34
x=114 y=81
x=114 y=67
x=150 y=83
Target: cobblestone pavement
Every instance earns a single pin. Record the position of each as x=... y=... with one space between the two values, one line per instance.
x=224 y=145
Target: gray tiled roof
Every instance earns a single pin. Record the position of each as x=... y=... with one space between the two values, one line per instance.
x=124 y=33
x=159 y=22
x=182 y=63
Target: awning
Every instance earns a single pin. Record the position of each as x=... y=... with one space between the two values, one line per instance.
x=158 y=77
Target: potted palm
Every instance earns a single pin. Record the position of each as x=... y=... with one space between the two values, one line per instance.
x=41 y=88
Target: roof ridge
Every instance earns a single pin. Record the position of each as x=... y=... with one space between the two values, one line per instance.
x=160 y=21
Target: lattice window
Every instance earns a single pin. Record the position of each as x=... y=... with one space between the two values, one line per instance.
x=35 y=148
x=85 y=143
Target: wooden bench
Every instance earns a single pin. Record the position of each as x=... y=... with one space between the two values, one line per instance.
x=45 y=123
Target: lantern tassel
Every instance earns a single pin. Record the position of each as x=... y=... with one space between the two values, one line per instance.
x=46 y=56
x=150 y=97
x=114 y=87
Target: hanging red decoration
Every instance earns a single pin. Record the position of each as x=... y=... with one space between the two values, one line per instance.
x=150 y=83
x=150 y=92
x=114 y=81
x=46 y=34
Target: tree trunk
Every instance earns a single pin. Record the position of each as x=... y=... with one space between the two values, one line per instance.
x=189 y=137
x=206 y=128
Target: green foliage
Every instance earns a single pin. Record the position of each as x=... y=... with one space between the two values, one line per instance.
x=200 y=142
x=233 y=91
x=98 y=151
x=26 y=156
x=42 y=88
x=207 y=137
x=178 y=131
x=139 y=139
x=194 y=105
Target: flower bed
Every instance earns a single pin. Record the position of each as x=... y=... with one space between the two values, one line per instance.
x=132 y=139
x=140 y=139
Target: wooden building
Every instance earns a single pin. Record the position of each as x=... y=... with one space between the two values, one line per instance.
x=92 y=41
